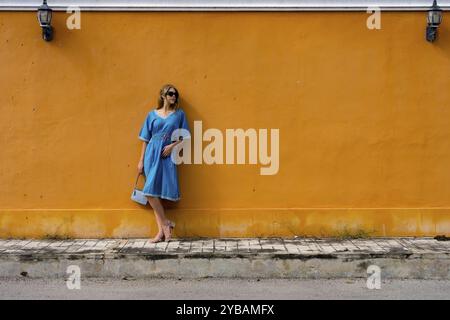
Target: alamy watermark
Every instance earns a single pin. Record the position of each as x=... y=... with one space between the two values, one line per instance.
x=374 y=20
x=374 y=278
x=213 y=153
x=74 y=20
x=73 y=281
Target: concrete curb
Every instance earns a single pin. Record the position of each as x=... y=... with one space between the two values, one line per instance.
x=330 y=266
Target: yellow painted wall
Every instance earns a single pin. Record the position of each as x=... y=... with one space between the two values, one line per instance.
x=363 y=118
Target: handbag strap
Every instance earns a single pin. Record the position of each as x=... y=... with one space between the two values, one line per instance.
x=137 y=179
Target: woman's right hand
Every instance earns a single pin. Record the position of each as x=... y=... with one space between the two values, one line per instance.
x=140 y=166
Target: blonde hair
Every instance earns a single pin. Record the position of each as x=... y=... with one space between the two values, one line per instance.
x=163 y=92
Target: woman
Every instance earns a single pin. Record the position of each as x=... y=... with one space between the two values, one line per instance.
x=156 y=162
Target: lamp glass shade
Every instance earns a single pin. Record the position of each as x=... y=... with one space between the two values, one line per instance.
x=435 y=17
x=44 y=16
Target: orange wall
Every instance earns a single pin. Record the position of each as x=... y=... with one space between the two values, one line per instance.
x=363 y=118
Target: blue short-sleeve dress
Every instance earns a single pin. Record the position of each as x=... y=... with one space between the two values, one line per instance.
x=161 y=172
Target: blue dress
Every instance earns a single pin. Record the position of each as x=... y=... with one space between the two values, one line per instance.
x=161 y=172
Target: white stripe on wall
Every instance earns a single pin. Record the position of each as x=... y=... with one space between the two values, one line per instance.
x=226 y=5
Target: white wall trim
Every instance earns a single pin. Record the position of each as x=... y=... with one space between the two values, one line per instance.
x=224 y=5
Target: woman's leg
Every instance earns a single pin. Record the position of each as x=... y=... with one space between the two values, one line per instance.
x=164 y=223
x=160 y=218
x=159 y=209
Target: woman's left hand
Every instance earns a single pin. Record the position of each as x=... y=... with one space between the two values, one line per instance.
x=167 y=150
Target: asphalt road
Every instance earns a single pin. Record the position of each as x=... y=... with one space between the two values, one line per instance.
x=207 y=289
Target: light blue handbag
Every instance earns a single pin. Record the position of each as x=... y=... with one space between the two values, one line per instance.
x=138 y=195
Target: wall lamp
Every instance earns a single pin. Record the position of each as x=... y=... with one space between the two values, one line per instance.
x=44 y=15
x=434 y=19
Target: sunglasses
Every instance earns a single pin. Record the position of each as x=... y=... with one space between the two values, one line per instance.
x=172 y=93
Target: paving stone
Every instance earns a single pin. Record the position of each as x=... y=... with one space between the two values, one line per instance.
x=56 y=244
x=314 y=247
x=232 y=246
x=292 y=248
x=220 y=245
x=243 y=245
x=173 y=245
x=161 y=246
x=75 y=246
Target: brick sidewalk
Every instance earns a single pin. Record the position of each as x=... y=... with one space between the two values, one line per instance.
x=306 y=258
x=229 y=246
